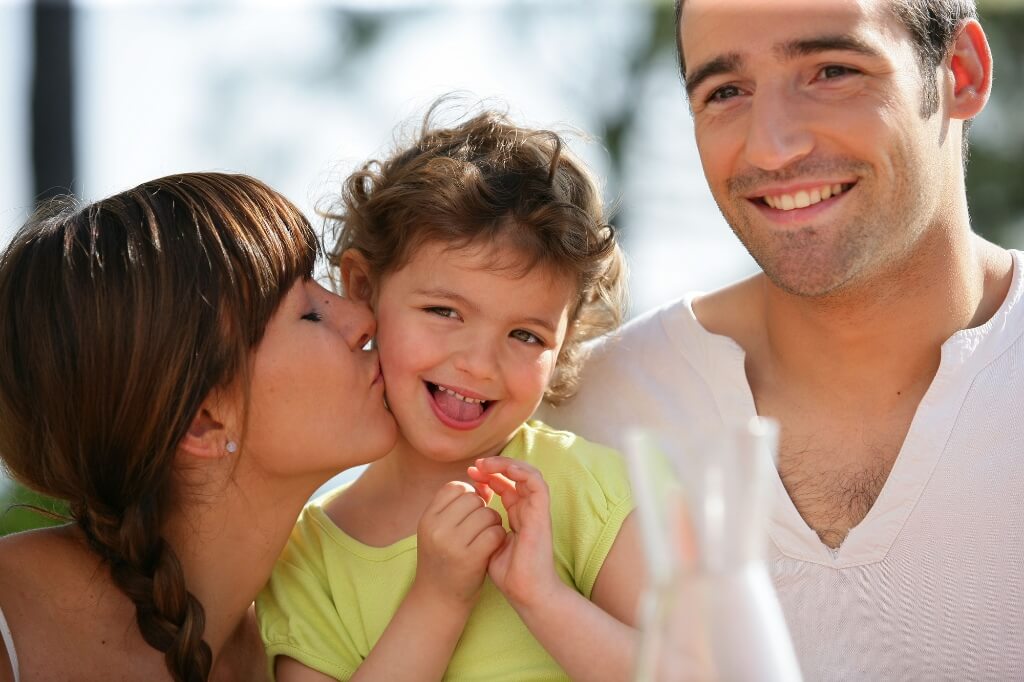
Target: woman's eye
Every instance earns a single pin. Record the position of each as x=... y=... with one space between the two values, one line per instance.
x=525 y=336
x=442 y=312
x=313 y=316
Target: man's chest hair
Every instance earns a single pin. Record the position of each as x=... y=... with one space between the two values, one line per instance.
x=834 y=483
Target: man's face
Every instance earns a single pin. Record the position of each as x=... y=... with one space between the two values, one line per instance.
x=808 y=121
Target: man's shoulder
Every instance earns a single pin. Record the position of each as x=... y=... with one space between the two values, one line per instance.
x=653 y=331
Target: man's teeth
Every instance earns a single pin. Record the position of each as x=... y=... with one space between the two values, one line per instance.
x=461 y=397
x=803 y=198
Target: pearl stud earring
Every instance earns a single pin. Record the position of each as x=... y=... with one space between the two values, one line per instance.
x=231 y=447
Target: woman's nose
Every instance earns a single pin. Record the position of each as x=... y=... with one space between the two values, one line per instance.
x=357 y=322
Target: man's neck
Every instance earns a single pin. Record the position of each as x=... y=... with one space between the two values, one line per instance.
x=845 y=376
x=886 y=333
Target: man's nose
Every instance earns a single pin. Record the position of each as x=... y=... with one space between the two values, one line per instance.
x=778 y=133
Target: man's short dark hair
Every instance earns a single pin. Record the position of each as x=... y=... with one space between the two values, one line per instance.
x=933 y=26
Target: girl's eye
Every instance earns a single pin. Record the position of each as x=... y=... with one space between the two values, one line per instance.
x=442 y=312
x=525 y=336
x=313 y=316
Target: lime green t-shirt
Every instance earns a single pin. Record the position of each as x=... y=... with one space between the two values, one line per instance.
x=331 y=597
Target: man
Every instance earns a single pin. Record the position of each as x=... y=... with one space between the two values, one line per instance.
x=883 y=334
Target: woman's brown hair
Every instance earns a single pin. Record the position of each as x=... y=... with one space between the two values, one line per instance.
x=117 y=319
x=489 y=181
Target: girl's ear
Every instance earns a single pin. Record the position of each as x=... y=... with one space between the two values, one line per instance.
x=970 y=63
x=356 y=277
x=208 y=436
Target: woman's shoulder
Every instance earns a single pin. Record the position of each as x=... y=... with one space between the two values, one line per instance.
x=60 y=549
x=52 y=588
x=49 y=572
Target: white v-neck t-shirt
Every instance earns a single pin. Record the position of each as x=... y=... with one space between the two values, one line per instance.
x=930 y=585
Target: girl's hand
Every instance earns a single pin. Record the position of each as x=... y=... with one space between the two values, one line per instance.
x=456 y=537
x=523 y=568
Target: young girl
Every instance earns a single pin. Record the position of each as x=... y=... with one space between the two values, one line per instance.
x=484 y=254
x=169 y=369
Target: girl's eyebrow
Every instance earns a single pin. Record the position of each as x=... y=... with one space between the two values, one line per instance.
x=449 y=295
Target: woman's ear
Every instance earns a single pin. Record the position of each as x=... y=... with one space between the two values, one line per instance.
x=208 y=435
x=356 y=278
x=970 y=63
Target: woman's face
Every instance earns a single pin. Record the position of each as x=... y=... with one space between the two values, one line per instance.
x=317 y=398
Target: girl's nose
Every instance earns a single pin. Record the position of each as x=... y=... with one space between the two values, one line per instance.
x=476 y=358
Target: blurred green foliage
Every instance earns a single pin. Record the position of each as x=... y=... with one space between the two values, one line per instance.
x=15 y=514
x=995 y=172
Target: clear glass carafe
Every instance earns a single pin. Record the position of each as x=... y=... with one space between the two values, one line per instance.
x=710 y=612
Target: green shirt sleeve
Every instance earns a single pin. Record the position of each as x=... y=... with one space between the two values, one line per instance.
x=297 y=613
x=590 y=497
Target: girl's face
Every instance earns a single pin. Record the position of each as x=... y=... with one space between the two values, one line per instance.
x=317 y=396
x=467 y=350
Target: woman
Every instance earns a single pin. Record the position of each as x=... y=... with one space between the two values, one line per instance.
x=169 y=368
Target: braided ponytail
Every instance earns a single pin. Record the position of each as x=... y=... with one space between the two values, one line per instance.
x=146 y=569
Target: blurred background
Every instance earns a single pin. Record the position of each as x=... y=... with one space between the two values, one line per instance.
x=98 y=96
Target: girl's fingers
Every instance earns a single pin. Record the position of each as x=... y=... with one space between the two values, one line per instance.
x=449 y=493
x=512 y=468
x=484 y=491
x=489 y=540
x=527 y=479
x=478 y=522
x=506 y=489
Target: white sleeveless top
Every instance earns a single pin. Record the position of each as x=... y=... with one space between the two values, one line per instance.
x=5 y=632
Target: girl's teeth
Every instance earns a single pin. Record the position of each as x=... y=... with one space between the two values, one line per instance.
x=459 y=395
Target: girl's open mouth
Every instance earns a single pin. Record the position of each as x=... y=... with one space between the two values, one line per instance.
x=455 y=409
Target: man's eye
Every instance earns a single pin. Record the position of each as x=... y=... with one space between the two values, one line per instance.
x=442 y=312
x=836 y=71
x=313 y=316
x=723 y=93
x=525 y=336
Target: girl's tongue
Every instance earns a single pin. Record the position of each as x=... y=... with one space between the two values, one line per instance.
x=456 y=409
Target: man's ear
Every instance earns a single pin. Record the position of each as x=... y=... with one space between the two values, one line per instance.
x=970 y=63
x=207 y=436
x=356 y=278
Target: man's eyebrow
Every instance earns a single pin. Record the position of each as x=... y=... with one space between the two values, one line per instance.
x=795 y=48
x=725 y=63
x=827 y=43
